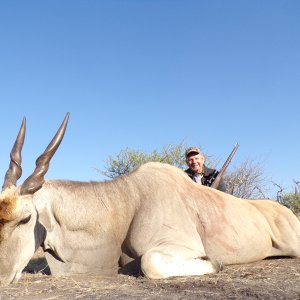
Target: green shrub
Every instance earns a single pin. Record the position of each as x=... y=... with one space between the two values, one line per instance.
x=291 y=201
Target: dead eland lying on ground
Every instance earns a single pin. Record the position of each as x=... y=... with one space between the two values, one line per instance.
x=154 y=217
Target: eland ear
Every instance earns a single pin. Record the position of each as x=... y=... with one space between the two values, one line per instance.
x=36 y=180
x=14 y=171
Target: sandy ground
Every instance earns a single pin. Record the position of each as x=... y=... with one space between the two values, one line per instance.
x=267 y=279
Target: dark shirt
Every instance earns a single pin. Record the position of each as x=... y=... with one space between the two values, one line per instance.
x=207 y=177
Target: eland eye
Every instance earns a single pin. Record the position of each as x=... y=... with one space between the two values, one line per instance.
x=24 y=221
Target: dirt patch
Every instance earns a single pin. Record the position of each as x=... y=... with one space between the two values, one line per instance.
x=267 y=279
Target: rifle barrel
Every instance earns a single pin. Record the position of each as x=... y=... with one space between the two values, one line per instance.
x=215 y=184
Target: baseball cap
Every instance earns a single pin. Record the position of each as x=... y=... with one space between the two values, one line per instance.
x=192 y=150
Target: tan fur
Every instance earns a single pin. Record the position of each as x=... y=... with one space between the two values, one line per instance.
x=7 y=205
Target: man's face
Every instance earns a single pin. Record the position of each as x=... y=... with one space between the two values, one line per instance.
x=195 y=162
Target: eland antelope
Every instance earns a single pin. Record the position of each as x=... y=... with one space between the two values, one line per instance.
x=155 y=216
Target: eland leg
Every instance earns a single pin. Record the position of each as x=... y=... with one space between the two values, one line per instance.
x=169 y=260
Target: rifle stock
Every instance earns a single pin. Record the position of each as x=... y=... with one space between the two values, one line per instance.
x=216 y=182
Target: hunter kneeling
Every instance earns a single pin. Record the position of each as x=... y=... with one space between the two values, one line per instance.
x=199 y=172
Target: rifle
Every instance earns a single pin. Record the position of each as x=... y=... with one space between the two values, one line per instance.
x=218 y=175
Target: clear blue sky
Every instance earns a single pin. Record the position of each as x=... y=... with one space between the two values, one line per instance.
x=144 y=74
